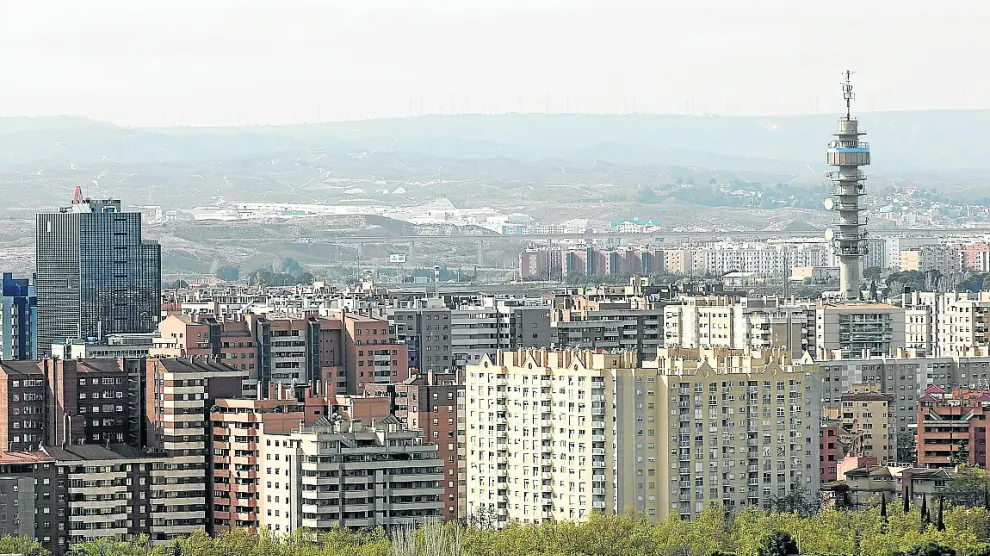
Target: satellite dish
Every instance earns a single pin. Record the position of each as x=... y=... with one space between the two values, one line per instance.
x=829 y=203
x=829 y=234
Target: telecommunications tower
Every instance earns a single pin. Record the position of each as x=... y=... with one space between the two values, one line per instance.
x=847 y=154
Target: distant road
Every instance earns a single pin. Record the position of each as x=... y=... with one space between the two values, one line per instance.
x=638 y=238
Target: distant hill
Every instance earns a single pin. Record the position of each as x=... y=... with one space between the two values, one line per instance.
x=941 y=145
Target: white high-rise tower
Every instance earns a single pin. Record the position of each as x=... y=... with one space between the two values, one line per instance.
x=847 y=153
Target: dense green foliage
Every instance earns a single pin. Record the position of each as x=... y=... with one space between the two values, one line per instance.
x=750 y=533
x=20 y=545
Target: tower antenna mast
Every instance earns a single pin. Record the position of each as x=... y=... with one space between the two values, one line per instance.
x=847 y=93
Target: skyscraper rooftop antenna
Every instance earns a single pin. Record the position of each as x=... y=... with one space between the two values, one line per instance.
x=847 y=93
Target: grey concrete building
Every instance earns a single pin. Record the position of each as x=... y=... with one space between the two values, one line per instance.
x=16 y=506
x=905 y=375
x=615 y=325
x=425 y=329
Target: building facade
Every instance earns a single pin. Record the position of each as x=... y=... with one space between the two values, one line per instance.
x=952 y=427
x=235 y=466
x=18 y=318
x=868 y=416
x=562 y=434
x=95 y=273
x=338 y=473
x=859 y=329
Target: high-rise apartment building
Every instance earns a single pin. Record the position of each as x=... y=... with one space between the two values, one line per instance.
x=235 y=466
x=18 y=318
x=856 y=329
x=905 y=376
x=599 y=322
x=425 y=329
x=338 y=473
x=71 y=494
x=370 y=355
x=434 y=404
x=952 y=427
x=274 y=350
x=746 y=427
x=490 y=324
x=177 y=396
x=561 y=434
x=945 y=259
x=739 y=323
x=947 y=324
x=53 y=402
x=95 y=274
x=868 y=417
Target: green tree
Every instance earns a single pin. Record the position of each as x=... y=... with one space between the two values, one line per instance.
x=108 y=546
x=777 y=544
x=930 y=548
x=906 y=447
x=796 y=500
x=872 y=273
x=21 y=545
x=968 y=488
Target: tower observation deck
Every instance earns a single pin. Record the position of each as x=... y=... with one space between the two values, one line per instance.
x=847 y=153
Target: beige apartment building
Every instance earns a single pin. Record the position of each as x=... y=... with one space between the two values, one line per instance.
x=868 y=416
x=562 y=434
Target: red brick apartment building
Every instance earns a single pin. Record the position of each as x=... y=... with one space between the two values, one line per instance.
x=952 y=425
x=434 y=403
x=829 y=449
x=370 y=356
x=348 y=353
x=51 y=402
x=235 y=469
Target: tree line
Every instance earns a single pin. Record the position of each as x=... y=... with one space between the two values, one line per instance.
x=874 y=531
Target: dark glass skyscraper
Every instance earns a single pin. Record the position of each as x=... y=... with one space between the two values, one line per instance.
x=95 y=275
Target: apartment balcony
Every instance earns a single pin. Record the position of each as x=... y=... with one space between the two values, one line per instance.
x=100 y=518
x=195 y=515
x=98 y=491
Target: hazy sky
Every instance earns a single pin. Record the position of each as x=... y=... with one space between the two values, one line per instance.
x=210 y=62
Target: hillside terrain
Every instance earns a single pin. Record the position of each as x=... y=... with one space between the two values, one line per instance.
x=686 y=171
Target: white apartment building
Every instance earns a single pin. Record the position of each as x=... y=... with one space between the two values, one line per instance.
x=855 y=329
x=725 y=321
x=957 y=321
x=345 y=474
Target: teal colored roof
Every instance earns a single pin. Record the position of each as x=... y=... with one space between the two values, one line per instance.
x=635 y=222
